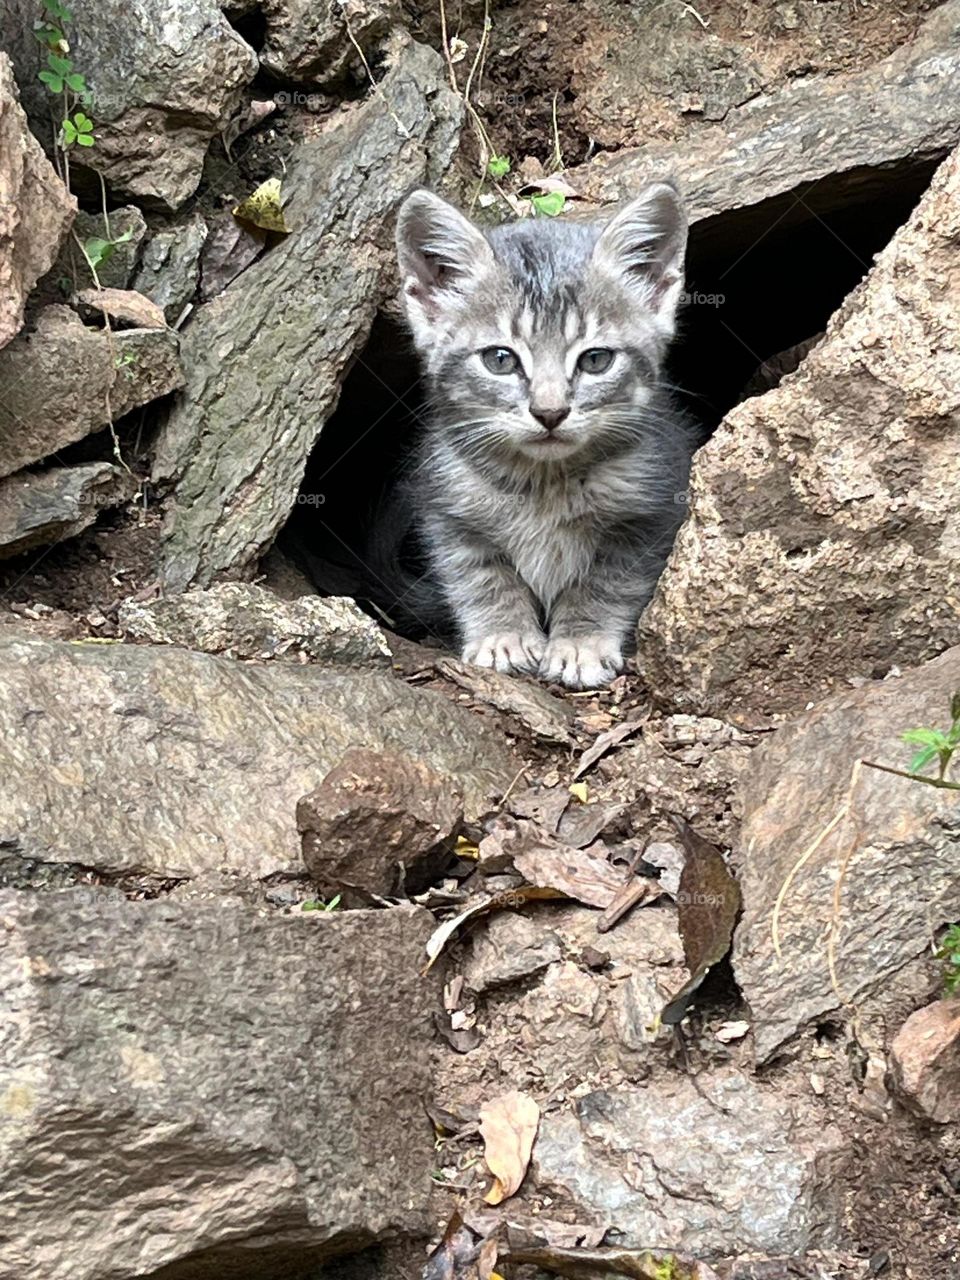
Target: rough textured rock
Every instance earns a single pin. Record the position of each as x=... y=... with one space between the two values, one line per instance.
x=169 y=269
x=116 y=270
x=810 y=130
x=814 y=548
x=543 y=715
x=65 y=380
x=310 y=41
x=164 y=75
x=644 y=72
x=925 y=1062
x=36 y=209
x=903 y=877
x=251 y=1086
x=172 y=763
x=511 y=946
x=259 y=391
x=244 y=621
x=742 y=1169
x=36 y=509
x=379 y=822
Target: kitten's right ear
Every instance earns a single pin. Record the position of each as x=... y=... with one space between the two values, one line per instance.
x=440 y=252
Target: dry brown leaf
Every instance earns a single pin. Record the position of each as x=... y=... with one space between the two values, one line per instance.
x=606 y=742
x=512 y=898
x=577 y=873
x=508 y=1126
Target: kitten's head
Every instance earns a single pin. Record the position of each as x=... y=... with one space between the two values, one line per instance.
x=544 y=337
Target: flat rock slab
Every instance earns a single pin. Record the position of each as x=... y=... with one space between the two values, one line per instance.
x=813 y=129
x=39 y=508
x=245 y=621
x=36 y=209
x=205 y=1081
x=266 y=358
x=152 y=759
x=65 y=381
x=901 y=839
x=745 y=1170
x=817 y=547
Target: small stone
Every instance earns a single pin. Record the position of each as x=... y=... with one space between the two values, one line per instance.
x=925 y=1062
x=511 y=947
x=380 y=822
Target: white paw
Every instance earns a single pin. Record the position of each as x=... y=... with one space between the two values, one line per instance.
x=587 y=663
x=507 y=651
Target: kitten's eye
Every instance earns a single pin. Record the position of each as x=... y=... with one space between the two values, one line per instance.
x=596 y=360
x=500 y=360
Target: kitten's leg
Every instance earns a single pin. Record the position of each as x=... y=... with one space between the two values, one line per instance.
x=495 y=611
x=591 y=620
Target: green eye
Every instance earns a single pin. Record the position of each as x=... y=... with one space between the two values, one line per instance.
x=596 y=360
x=500 y=360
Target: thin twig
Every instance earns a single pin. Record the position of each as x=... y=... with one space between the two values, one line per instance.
x=446 y=48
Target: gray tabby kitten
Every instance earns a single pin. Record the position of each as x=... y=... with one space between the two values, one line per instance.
x=551 y=474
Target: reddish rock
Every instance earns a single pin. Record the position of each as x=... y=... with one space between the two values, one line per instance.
x=925 y=1062
x=379 y=822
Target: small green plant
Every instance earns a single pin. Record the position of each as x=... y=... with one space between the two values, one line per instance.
x=498 y=166
x=949 y=953
x=549 y=204
x=935 y=744
x=63 y=79
x=318 y=904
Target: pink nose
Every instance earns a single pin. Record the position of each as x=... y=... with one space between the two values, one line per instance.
x=550 y=419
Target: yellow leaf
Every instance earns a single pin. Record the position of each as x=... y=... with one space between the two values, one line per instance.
x=264 y=208
x=466 y=848
x=579 y=791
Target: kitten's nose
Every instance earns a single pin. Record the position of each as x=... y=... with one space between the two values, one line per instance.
x=549 y=418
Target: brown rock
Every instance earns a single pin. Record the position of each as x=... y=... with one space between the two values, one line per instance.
x=379 y=822
x=65 y=381
x=925 y=1062
x=820 y=542
x=45 y=507
x=509 y=947
x=174 y=763
x=237 y=1092
x=36 y=209
x=899 y=843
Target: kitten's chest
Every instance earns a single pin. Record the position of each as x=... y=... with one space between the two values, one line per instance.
x=550 y=534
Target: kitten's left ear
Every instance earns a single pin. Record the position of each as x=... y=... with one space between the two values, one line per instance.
x=646 y=243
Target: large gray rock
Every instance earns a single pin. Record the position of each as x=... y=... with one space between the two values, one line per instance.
x=265 y=360
x=173 y=763
x=245 y=621
x=36 y=209
x=164 y=77
x=820 y=541
x=65 y=380
x=901 y=839
x=812 y=129
x=740 y=1169
x=39 y=508
x=202 y=1087
x=310 y=41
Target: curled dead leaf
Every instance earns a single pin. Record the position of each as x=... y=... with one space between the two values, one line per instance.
x=508 y=1126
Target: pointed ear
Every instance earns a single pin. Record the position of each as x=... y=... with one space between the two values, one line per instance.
x=645 y=244
x=440 y=253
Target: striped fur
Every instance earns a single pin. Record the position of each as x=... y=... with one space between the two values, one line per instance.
x=548 y=496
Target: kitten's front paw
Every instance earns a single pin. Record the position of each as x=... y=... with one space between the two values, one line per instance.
x=507 y=651
x=588 y=663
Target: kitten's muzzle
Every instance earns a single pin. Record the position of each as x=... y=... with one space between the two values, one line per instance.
x=549 y=419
